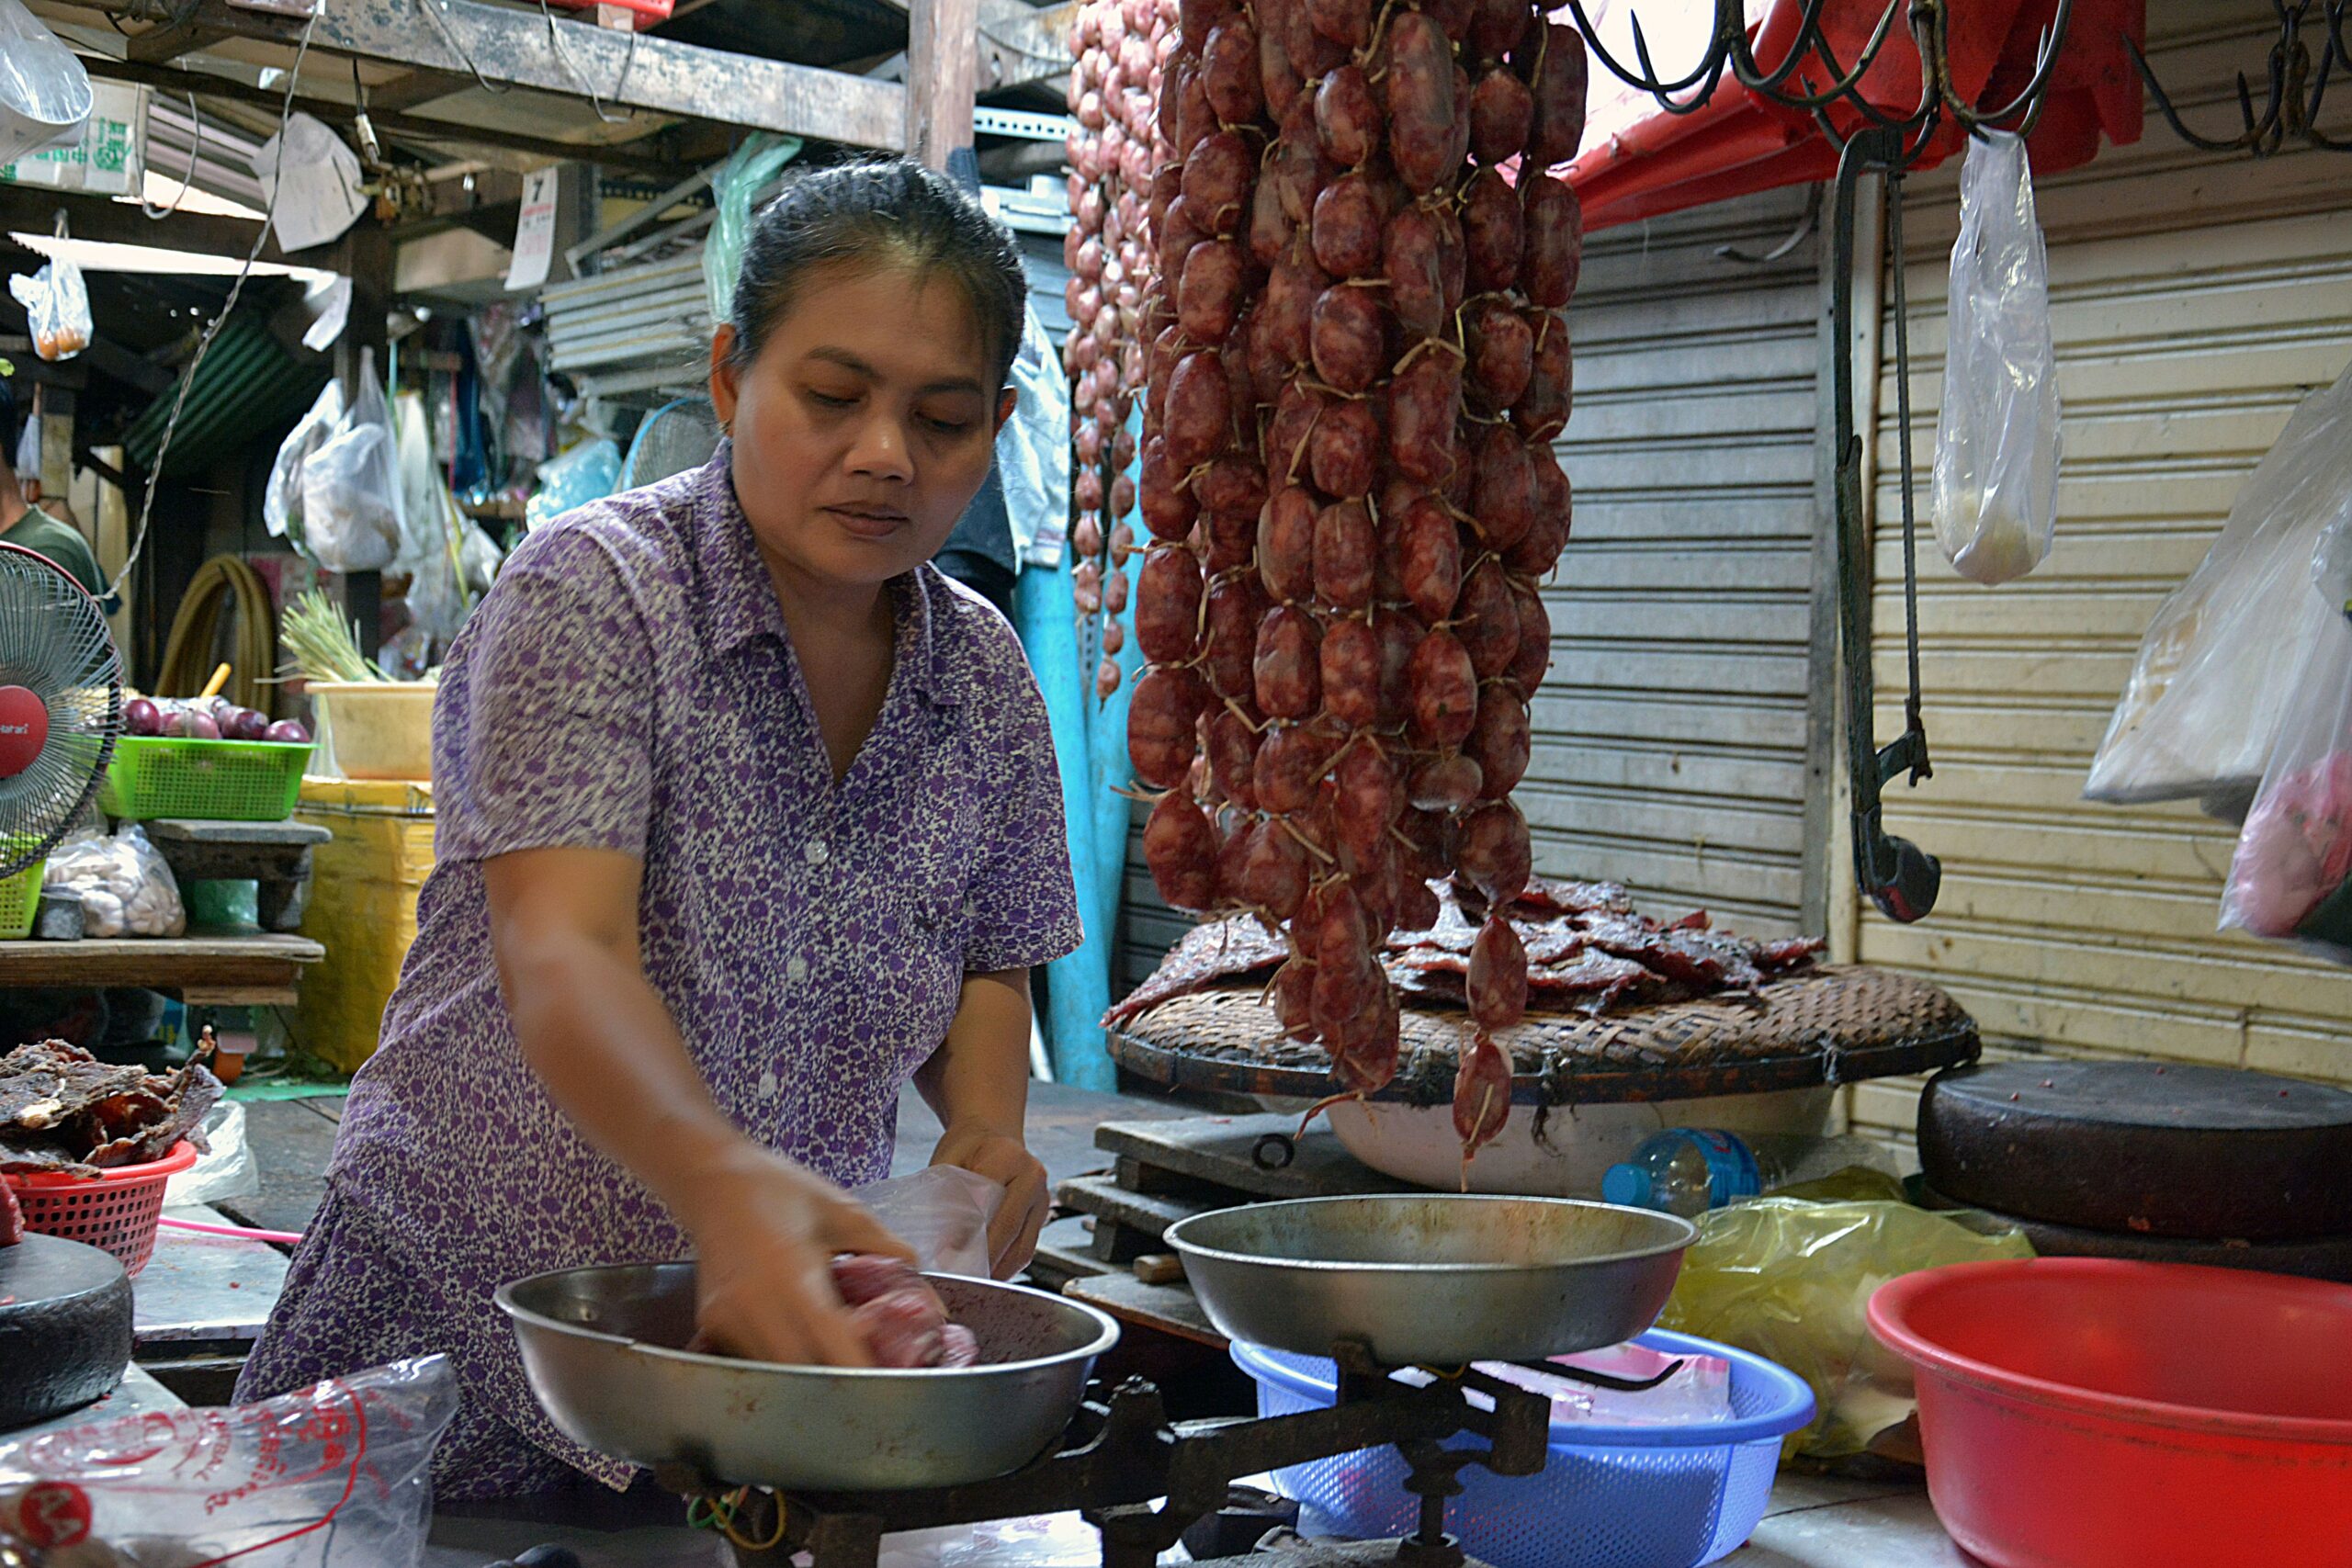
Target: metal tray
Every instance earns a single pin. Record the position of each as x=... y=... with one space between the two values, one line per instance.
x=599 y=1347
x=1433 y=1280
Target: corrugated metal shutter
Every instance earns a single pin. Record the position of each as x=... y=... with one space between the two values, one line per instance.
x=1670 y=735
x=2196 y=300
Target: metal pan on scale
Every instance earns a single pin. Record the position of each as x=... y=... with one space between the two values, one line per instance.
x=1433 y=1280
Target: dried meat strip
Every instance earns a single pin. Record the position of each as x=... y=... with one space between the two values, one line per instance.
x=1214 y=950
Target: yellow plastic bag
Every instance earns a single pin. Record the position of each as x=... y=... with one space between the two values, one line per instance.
x=1790 y=1280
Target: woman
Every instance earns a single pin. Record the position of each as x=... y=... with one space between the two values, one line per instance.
x=747 y=816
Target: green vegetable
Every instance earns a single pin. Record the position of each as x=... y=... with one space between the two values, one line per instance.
x=319 y=646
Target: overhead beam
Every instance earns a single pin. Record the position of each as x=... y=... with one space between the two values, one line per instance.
x=171 y=41
x=941 y=74
x=1022 y=45
x=1018 y=44
x=417 y=87
x=28 y=210
x=627 y=71
x=395 y=126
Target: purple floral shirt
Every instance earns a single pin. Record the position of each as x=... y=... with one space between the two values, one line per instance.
x=630 y=686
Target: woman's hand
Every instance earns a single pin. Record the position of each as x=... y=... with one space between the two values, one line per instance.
x=765 y=1234
x=1005 y=1160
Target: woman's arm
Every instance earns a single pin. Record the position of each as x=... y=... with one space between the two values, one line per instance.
x=563 y=923
x=977 y=1083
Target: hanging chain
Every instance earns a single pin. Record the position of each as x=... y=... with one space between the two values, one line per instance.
x=1913 y=723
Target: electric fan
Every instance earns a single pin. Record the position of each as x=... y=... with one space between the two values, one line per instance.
x=678 y=435
x=61 y=704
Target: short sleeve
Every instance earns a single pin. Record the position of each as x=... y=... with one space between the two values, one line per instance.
x=541 y=735
x=1023 y=906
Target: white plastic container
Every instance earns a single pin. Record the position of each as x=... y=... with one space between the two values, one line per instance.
x=1565 y=1154
x=376 y=730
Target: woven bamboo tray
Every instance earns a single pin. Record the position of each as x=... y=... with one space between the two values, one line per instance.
x=1825 y=1025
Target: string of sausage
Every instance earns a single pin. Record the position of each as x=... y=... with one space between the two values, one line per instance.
x=1357 y=370
x=1120 y=49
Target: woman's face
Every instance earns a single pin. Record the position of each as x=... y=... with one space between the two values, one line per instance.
x=865 y=425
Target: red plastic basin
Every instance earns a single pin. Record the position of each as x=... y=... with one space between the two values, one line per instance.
x=2090 y=1412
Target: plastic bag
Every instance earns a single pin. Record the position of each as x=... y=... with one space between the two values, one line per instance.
x=227 y=1169
x=748 y=170
x=281 y=501
x=125 y=885
x=57 y=303
x=588 y=472
x=1790 y=1280
x=250 y=1483
x=351 y=487
x=1995 y=498
x=44 y=91
x=2201 y=714
x=2291 y=879
x=2332 y=562
x=943 y=1211
x=1033 y=450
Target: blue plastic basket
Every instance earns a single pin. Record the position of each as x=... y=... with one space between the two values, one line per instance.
x=1611 y=1496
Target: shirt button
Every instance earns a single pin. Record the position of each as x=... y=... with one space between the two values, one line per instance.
x=815 y=851
x=768 y=1084
x=796 y=968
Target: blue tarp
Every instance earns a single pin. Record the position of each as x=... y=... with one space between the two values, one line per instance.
x=1091 y=743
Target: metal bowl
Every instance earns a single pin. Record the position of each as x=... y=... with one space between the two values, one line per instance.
x=1433 y=1280
x=600 y=1347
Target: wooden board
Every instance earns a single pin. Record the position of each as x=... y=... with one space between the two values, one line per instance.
x=1171 y=1309
x=1222 y=1149
x=182 y=830
x=165 y=964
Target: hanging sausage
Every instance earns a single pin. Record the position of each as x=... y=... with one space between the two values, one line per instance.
x=1357 y=366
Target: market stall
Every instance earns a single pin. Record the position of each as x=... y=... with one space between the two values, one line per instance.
x=1469 y=1114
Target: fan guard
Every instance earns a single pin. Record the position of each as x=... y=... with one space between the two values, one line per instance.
x=61 y=704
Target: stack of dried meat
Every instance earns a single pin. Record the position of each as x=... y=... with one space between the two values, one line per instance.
x=1359 y=364
x=1588 y=950
x=63 y=1109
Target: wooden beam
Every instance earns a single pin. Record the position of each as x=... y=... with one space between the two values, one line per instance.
x=1019 y=44
x=28 y=210
x=417 y=88
x=626 y=71
x=169 y=41
x=941 y=77
x=392 y=127
x=1022 y=45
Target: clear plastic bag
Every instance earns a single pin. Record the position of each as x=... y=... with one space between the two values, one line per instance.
x=2332 y=562
x=1995 y=498
x=748 y=170
x=2291 y=879
x=1790 y=1279
x=943 y=1211
x=281 y=501
x=1033 y=450
x=44 y=90
x=332 y=1476
x=57 y=304
x=588 y=472
x=227 y=1169
x=2199 y=716
x=125 y=885
x=351 y=485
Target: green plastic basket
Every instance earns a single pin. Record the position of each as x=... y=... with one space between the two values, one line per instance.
x=19 y=902
x=210 y=780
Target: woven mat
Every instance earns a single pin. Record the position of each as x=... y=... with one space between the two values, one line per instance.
x=1824 y=1025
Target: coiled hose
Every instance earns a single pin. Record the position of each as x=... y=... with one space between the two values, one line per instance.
x=188 y=659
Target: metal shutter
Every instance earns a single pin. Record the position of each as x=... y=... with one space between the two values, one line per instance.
x=2196 y=300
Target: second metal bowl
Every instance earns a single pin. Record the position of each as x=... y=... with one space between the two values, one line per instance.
x=1433 y=1280
x=600 y=1347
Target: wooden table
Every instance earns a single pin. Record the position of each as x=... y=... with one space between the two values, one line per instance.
x=206 y=971
x=275 y=856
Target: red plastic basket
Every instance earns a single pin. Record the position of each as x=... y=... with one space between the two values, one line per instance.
x=115 y=1210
